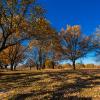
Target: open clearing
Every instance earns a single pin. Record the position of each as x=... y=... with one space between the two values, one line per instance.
x=51 y=84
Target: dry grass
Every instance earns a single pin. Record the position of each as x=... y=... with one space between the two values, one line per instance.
x=57 y=84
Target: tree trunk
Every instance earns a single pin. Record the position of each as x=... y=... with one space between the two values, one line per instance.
x=43 y=66
x=1 y=67
x=30 y=67
x=15 y=67
x=40 y=58
x=6 y=66
x=40 y=64
x=53 y=65
x=12 y=66
x=37 y=66
x=74 y=65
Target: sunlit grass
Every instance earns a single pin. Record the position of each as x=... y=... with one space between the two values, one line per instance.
x=49 y=84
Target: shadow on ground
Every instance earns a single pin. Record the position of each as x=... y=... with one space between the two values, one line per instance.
x=62 y=92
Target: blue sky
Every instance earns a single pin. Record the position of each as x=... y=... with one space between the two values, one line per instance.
x=82 y=12
x=85 y=13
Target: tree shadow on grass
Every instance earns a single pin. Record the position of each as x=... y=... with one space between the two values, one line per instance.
x=21 y=96
x=33 y=93
x=61 y=97
x=14 y=77
x=75 y=88
x=56 y=97
x=59 y=93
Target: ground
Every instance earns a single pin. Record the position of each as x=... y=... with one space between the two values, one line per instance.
x=57 y=84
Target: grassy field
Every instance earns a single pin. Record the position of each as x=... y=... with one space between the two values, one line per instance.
x=57 y=84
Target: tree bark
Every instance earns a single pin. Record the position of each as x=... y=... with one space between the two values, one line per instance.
x=43 y=66
x=37 y=66
x=6 y=66
x=74 y=67
x=53 y=65
x=40 y=58
x=30 y=67
x=1 y=67
x=15 y=67
x=12 y=67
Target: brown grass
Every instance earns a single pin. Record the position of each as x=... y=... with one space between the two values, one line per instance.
x=49 y=84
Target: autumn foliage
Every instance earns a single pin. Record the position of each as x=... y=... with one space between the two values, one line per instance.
x=75 y=43
x=24 y=27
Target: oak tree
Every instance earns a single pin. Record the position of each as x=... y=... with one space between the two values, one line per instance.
x=17 y=21
x=75 y=44
x=13 y=55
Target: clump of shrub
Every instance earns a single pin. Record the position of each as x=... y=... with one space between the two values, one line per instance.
x=49 y=63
